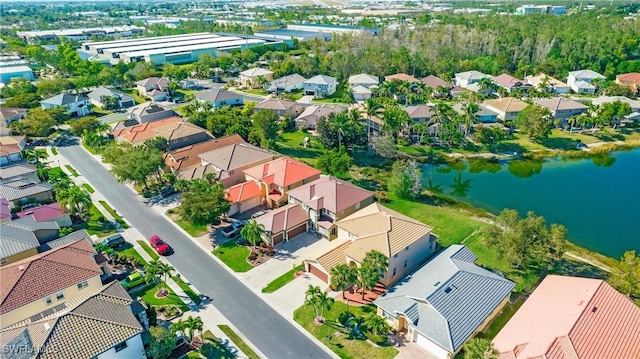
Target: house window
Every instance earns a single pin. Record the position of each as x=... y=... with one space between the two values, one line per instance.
x=288 y=187
x=405 y=263
x=394 y=272
x=304 y=181
x=48 y=300
x=83 y=284
x=351 y=235
x=60 y=295
x=395 y=255
x=120 y=346
x=291 y=199
x=406 y=249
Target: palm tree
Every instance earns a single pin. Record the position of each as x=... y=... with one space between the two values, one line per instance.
x=372 y=107
x=311 y=297
x=469 y=116
x=376 y=323
x=74 y=198
x=179 y=326
x=486 y=84
x=194 y=325
x=324 y=301
x=152 y=272
x=35 y=155
x=42 y=171
x=480 y=348
x=443 y=114
x=366 y=278
x=165 y=270
x=341 y=276
x=252 y=232
x=421 y=129
x=377 y=261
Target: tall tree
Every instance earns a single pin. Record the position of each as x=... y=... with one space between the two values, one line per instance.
x=265 y=129
x=161 y=343
x=376 y=260
x=376 y=324
x=137 y=164
x=253 y=232
x=625 y=276
x=342 y=276
x=76 y=199
x=535 y=122
x=335 y=161
x=204 y=202
x=405 y=179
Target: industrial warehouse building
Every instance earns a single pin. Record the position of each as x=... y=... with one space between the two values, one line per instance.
x=177 y=49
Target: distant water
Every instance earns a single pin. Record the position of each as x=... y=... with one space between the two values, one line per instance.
x=597 y=199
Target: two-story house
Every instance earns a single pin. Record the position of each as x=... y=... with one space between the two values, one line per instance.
x=181 y=134
x=418 y=114
x=310 y=116
x=255 y=77
x=507 y=108
x=562 y=108
x=187 y=157
x=149 y=112
x=280 y=106
x=632 y=80
x=328 y=200
x=220 y=98
x=229 y=162
x=107 y=98
x=320 y=86
x=583 y=81
x=287 y=83
x=138 y=133
x=552 y=85
x=74 y=105
x=510 y=83
x=406 y=242
x=364 y=80
x=284 y=223
x=484 y=114
x=154 y=87
x=279 y=176
x=470 y=79
x=440 y=87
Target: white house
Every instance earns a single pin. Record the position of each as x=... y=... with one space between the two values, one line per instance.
x=635 y=105
x=364 y=80
x=361 y=93
x=553 y=85
x=121 y=100
x=581 y=81
x=287 y=83
x=76 y=105
x=467 y=78
x=251 y=78
x=320 y=86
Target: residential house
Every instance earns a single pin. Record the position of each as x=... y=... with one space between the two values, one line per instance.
x=484 y=114
x=470 y=79
x=440 y=87
x=553 y=85
x=279 y=176
x=20 y=190
x=22 y=170
x=24 y=237
x=148 y=112
x=75 y=105
x=189 y=84
x=33 y=287
x=280 y=106
x=103 y=323
x=229 y=162
x=51 y=212
x=320 y=86
x=446 y=302
x=572 y=317
x=219 y=98
x=154 y=87
x=635 y=105
x=100 y=95
x=10 y=114
x=561 y=108
x=507 y=108
x=361 y=93
x=418 y=114
x=583 y=81
x=243 y=196
x=287 y=83
x=364 y=80
x=187 y=156
x=310 y=116
x=137 y=134
x=180 y=134
x=255 y=77
x=632 y=80
x=11 y=149
x=510 y=83
x=401 y=77
x=403 y=240
x=328 y=200
x=633 y=117
x=284 y=223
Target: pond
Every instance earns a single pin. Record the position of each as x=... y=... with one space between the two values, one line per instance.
x=597 y=198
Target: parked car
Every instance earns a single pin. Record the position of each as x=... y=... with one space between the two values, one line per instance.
x=260 y=213
x=158 y=244
x=113 y=241
x=232 y=230
x=133 y=280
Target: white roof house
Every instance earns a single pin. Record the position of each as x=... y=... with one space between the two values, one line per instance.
x=580 y=81
x=635 y=105
x=255 y=72
x=467 y=78
x=364 y=80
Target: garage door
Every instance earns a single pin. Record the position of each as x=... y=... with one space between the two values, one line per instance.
x=318 y=273
x=431 y=347
x=297 y=231
x=4 y=160
x=248 y=204
x=279 y=238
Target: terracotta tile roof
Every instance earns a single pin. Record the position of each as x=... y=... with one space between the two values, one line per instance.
x=242 y=191
x=335 y=255
x=570 y=317
x=46 y=273
x=176 y=130
x=9 y=149
x=139 y=133
x=283 y=218
x=330 y=193
x=632 y=77
x=434 y=81
x=508 y=81
x=85 y=328
x=43 y=213
x=187 y=157
x=401 y=77
x=507 y=104
x=283 y=171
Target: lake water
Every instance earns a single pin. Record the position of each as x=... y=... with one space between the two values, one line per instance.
x=597 y=199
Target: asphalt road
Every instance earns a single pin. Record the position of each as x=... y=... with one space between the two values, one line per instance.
x=262 y=325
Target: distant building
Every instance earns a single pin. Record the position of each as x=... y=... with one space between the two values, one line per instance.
x=120 y=99
x=553 y=85
x=320 y=86
x=10 y=72
x=541 y=9
x=288 y=34
x=632 y=80
x=287 y=83
x=82 y=33
x=338 y=29
x=582 y=81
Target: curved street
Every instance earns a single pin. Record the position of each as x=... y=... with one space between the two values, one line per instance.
x=271 y=333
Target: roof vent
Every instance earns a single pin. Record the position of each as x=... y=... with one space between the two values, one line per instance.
x=47 y=326
x=435 y=285
x=21 y=268
x=593 y=310
x=447 y=290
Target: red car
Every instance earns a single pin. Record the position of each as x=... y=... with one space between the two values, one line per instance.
x=159 y=245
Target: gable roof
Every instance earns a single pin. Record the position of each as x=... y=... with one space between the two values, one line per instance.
x=283 y=171
x=315 y=112
x=378 y=227
x=283 y=218
x=589 y=74
x=21 y=187
x=508 y=81
x=46 y=273
x=242 y=191
x=11 y=140
x=69 y=238
x=196 y=172
x=104 y=91
x=482 y=110
x=537 y=80
x=584 y=84
x=571 y=317
x=635 y=105
x=139 y=133
x=286 y=81
x=321 y=80
x=434 y=81
x=419 y=111
x=359 y=89
x=363 y=79
x=16 y=239
x=154 y=81
x=276 y=104
x=181 y=129
x=507 y=104
x=8 y=112
x=559 y=103
x=633 y=77
x=401 y=77
x=255 y=72
x=448 y=298
x=330 y=193
x=83 y=328
x=217 y=95
x=64 y=99
x=187 y=157
x=235 y=155
x=17 y=170
x=43 y=213
x=148 y=108
x=472 y=75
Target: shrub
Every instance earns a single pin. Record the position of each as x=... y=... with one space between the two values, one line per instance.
x=101 y=219
x=171 y=211
x=344 y=317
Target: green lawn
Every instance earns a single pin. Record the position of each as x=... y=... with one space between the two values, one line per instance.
x=116 y=216
x=259 y=92
x=54 y=151
x=57 y=172
x=134 y=93
x=73 y=171
x=187 y=289
x=336 y=97
x=148 y=295
x=149 y=250
x=234 y=256
x=235 y=338
x=342 y=345
x=88 y=188
x=282 y=280
x=220 y=352
x=291 y=145
x=128 y=249
x=501 y=319
x=94 y=226
x=194 y=230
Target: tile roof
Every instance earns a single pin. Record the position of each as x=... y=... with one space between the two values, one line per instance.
x=559 y=103
x=571 y=317
x=315 y=112
x=584 y=84
x=196 y=172
x=537 y=80
x=482 y=110
x=330 y=193
x=5 y=210
x=154 y=81
x=631 y=76
x=336 y=254
x=321 y=80
x=472 y=75
x=276 y=104
x=148 y=108
x=507 y=104
x=586 y=74
x=17 y=170
x=45 y=274
x=283 y=218
x=140 y=133
x=255 y=72
x=363 y=79
x=378 y=227
x=283 y=171
x=9 y=149
x=63 y=241
x=242 y=192
x=11 y=140
x=359 y=89
x=64 y=99
x=635 y=105
x=104 y=91
x=235 y=155
x=22 y=187
x=419 y=111
x=9 y=112
x=217 y=95
x=508 y=81
x=181 y=129
x=84 y=328
x=401 y=77
x=187 y=157
x=16 y=239
x=43 y=213
x=434 y=81
x=448 y=298
x=286 y=81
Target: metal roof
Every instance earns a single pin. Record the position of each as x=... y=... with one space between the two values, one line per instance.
x=115 y=43
x=204 y=39
x=217 y=45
